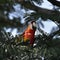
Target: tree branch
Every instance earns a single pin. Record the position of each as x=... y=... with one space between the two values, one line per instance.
x=44 y=13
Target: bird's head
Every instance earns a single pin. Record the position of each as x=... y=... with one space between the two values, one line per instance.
x=33 y=25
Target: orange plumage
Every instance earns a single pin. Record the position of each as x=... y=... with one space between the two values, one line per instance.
x=29 y=34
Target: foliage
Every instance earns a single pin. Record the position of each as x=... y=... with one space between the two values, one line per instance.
x=46 y=47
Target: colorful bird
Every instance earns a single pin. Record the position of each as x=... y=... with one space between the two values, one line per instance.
x=29 y=33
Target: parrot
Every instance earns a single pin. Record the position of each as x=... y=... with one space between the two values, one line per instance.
x=29 y=33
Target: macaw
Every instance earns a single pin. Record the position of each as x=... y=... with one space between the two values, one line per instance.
x=29 y=33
